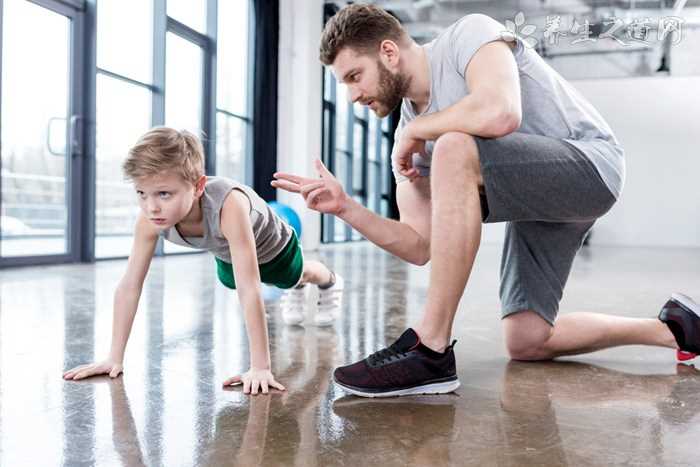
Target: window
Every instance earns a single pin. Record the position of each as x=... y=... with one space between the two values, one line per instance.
x=183 y=84
x=153 y=62
x=356 y=149
x=123 y=113
x=233 y=91
x=35 y=119
x=192 y=13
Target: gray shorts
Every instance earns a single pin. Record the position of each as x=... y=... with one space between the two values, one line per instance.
x=550 y=194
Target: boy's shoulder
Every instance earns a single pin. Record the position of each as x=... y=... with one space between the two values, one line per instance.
x=218 y=182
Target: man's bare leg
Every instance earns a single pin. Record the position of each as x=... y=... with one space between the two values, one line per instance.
x=455 y=233
x=529 y=337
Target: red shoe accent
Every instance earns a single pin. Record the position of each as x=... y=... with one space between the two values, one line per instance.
x=682 y=355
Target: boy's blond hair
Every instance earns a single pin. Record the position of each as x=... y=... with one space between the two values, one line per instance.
x=162 y=149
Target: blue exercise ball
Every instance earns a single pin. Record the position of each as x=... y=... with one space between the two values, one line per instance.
x=271 y=293
x=288 y=215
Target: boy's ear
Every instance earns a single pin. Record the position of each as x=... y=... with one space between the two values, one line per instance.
x=199 y=185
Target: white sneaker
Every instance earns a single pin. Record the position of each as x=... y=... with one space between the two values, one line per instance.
x=292 y=305
x=330 y=303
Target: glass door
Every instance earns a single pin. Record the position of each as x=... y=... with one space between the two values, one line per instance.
x=40 y=134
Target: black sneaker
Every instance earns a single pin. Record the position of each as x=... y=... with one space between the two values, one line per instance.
x=405 y=367
x=682 y=316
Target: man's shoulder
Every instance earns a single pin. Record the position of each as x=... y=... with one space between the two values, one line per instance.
x=473 y=23
x=474 y=18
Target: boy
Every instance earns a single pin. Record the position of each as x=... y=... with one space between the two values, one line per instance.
x=251 y=244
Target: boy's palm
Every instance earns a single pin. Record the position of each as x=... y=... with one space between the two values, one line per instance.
x=106 y=367
x=254 y=380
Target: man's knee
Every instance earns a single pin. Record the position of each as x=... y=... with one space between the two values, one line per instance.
x=455 y=150
x=526 y=335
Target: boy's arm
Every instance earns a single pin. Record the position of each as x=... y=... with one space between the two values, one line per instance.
x=236 y=227
x=126 y=298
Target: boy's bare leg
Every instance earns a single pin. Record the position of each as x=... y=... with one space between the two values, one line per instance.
x=315 y=272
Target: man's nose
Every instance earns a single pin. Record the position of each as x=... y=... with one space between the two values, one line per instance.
x=354 y=95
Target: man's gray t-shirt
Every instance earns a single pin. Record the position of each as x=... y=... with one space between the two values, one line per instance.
x=550 y=105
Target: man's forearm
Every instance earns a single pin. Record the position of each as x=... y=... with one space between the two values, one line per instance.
x=397 y=238
x=467 y=116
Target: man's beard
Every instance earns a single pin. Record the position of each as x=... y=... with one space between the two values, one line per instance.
x=392 y=89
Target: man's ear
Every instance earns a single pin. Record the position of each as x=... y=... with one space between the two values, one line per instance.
x=389 y=53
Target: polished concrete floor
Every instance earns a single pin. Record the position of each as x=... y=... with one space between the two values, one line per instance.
x=623 y=406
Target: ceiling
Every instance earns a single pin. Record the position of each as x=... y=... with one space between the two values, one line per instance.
x=424 y=19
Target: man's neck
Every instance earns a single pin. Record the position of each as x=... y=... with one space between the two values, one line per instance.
x=418 y=69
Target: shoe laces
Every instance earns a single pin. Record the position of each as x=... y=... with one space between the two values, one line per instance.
x=329 y=297
x=385 y=355
x=295 y=295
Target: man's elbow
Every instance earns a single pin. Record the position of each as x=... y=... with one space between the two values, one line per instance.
x=422 y=258
x=504 y=124
x=422 y=261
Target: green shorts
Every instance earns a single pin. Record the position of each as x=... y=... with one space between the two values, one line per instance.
x=284 y=271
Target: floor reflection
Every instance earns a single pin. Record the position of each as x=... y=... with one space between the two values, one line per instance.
x=627 y=406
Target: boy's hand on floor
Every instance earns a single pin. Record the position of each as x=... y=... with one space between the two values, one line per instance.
x=254 y=380
x=106 y=367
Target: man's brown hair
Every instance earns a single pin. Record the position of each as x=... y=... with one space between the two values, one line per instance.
x=164 y=149
x=360 y=27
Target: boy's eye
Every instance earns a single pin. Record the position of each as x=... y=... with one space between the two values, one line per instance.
x=140 y=194
x=163 y=194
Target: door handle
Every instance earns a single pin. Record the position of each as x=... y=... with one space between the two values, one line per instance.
x=76 y=135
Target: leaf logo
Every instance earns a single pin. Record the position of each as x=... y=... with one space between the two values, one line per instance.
x=518 y=29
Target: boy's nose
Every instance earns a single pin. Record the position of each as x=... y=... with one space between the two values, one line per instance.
x=153 y=207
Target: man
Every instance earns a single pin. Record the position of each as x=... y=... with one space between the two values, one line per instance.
x=488 y=132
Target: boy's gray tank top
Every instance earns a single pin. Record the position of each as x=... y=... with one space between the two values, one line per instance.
x=271 y=233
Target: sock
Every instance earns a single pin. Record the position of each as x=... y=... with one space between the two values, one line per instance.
x=329 y=284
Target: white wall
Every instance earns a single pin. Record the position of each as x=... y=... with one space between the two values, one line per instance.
x=299 y=104
x=657 y=120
